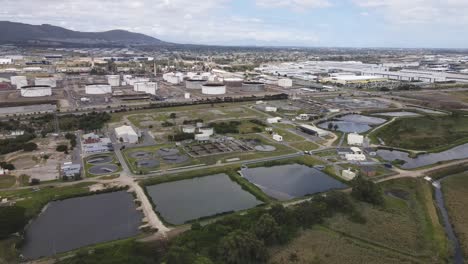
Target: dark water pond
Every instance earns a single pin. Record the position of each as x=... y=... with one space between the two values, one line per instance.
x=78 y=222
x=182 y=201
x=459 y=152
x=354 y=123
x=287 y=182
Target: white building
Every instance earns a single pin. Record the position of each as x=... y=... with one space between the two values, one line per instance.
x=274 y=120
x=4 y=61
x=188 y=129
x=356 y=150
x=355 y=139
x=271 y=109
x=303 y=117
x=277 y=137
x=348 y=174
x=355 y=157
x=113 y=80
x=127 y=134
x=286 y=83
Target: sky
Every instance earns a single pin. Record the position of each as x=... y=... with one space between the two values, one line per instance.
x=309 y=23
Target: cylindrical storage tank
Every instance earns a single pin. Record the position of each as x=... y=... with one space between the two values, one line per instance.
x=98 y=88
x=235 y=83
x=19 y=81
x=213 y=89
x=36 y=91
x=253 y=87
x=194 y=83
x=113 y=80
x=146 y=87
x=206 y=130
x=48 y=81
x=286 y=83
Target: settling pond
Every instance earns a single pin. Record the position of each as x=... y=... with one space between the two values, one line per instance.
x=399 y=114
x=456 y=153
x=287 y=182
x=185 y=200
x=354 y=123
x=77 y=222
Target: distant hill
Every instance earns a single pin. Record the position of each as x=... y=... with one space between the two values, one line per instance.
x=19 y=33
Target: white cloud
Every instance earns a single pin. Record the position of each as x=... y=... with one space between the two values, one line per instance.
x=436 y=12
x=183 y=21
x=298 y=5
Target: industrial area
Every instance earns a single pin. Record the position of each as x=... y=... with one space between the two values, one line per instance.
x=199 y=138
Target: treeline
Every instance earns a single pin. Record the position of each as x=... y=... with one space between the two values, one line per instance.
x=181 y=137
x=231 y=127
x=87 y=122
x=18 y=143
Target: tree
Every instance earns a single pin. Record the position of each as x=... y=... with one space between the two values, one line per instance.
x=330 y=126
x=30 y=146
x=180 y=255
x=35 y=181
x=62 y=148
x=173 y=115
x=13 y=220
x=335 y=127
x=267 y=230
x=367 y=191
x=240 y=247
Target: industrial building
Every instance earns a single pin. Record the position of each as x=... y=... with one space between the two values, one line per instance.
x=71 y=171
x=253 y=87
x=36 y=91
x=277 y=137
x=19 y=81
x=173 y=78
x=285 y=83
x=355 y=139
x=213 y=89
x=314 y=130
x=146 y=87
x=126 y=134
x=353 y=79
x=98 y=88
x=48 y=81
x=113 y=80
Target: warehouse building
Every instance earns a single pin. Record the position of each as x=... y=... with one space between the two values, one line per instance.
x=126 y=134
x=313 y=130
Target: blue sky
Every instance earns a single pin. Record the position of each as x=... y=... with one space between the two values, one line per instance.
x=338 y=23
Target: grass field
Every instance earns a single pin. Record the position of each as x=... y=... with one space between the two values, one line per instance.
x=460 y=95
x=455 y=189
x=287 y=135
x=304 y=145
x=429 y=133
x=7 y=181
x=404 y=230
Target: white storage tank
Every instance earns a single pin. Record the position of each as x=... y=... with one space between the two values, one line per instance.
x=19 y=81
x=253 y=87
x=194 y=83
x=286 y=83
x=98 y=88
x=48 y=81
x=213 y=89
x=113 y=80
x=209 y=131
x=36 y=91
x=146 y=87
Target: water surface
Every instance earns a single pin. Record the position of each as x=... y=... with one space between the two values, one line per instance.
x=78 y=222
x=354 y=123
x=182 y=201
x=287 y=182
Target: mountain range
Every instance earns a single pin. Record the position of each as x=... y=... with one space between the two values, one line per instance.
x=26 y=34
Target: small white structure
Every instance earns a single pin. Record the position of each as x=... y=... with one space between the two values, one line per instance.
x=348 y=174
x=188 y=129
x=5 y=61
x=50 y=81
x=355 y=139
x=187 y=95
x=202 y=137
x=355 y=157
x=3 y=171
x=19 y=81
x=206 y=130
x=271 y=109
x=356 y=150
x=146 y=87
x=113 y=80
x=268 y=129
x=286 y=83
x=302 y=117
x=277 y=137
x=173 y=78
x=127 y=134
x=274 y=120
x=36 y=91
x=98 y=88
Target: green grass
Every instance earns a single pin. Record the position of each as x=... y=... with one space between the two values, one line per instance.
x=8 y=251
x=7 y=181
x=428 y=133
x=288 y=136
x=455 y=190
x=304 y=145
